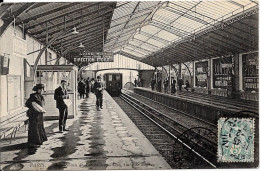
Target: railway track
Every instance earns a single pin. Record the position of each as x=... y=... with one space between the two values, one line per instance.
x=182 y=145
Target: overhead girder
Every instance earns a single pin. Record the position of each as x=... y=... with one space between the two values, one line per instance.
x=88 y=16
x=62 y=15
x=8 y=18
x=95 y=22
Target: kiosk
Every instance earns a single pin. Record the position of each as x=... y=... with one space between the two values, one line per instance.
x=51 y=76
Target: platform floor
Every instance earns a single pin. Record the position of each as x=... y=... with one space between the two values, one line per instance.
x=97 y=139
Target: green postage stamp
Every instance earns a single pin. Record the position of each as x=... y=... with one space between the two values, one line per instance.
x=236 y=140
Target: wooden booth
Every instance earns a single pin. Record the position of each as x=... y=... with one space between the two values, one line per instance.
x=51 y=76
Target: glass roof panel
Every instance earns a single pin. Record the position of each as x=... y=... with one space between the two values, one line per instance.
x=155 y=42
x=167 y=36
x=141 y=37
x=150 y=29
x=172 y=21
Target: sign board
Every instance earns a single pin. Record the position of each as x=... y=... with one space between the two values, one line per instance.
x=222 y=69
x=94 y=57
x=250 y=71
x=201 y=73
x=19 y=47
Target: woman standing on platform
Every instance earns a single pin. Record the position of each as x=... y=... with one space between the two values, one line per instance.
x=36 y=132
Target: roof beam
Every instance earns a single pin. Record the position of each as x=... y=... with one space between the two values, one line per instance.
x=94 y=21
x=62 y=15
x=9 y=19
x=44 y=14
x=89 y=16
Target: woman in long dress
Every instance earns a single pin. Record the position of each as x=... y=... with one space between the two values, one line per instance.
x=36 y=132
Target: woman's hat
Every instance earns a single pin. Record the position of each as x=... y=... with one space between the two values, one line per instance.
x=38 y=86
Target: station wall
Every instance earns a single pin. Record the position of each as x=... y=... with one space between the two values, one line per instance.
x=17 y=82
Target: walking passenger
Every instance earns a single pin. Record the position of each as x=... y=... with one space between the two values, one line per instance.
x=187 y=85
x=165 y=84
x=173 y=86
x=81 y=89
x=36 y=132
x=99 y=87
x=87 y=87
x=59 y=95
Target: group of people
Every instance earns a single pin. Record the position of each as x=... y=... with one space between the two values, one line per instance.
x=84 y=86
x=158 y=85
x=139 y=83
x=35 y=103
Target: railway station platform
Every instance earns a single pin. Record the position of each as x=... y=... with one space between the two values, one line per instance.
x=207 y=107
x=97 y=139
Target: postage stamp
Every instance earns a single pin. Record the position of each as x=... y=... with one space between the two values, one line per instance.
x=236 y=140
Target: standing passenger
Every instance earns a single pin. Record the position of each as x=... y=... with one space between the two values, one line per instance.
x=60 y=94
x=135 y=81
x=173 y=88
x=165 y=84
x=36 y=132
x=180 y=83
x=98 y=88
x=153 y=83
x=187 y=85
x=87 y=87
x=159 y=85
x=81 y=89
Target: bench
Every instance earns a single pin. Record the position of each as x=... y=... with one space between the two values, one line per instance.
x=11 y=124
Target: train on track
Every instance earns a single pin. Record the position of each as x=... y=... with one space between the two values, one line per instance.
x=114 y=83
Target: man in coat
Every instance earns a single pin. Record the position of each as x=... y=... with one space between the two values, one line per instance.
x=60 y=94
x=98 y=88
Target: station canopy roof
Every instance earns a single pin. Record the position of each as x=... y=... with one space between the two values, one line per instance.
x=154 y=32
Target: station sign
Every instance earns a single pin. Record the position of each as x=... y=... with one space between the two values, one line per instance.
x=94 y=57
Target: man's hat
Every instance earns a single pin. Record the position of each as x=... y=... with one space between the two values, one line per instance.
x=37 y=87
x=62 y=81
